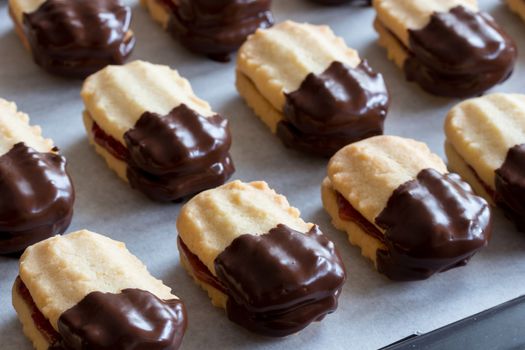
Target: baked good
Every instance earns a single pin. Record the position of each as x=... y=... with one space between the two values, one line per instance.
x=74 y=38
x=486 y=145
x=397 y=202
x=448 y=47
x=36 y=193
x=517 y=6
x=86 y=291
x=249 y=249
x=313 y=91
x=340 y=2
x=211 y=28
x=152 y=130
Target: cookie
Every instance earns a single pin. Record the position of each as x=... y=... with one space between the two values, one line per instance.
x=152 y=130
x=211 y=28
x=486 y=145
x=340 y=2
x=249 y=249
x=86 y=291
x=313 y=91
x=517 y=6
x=397 y=202
x=36 y=192
x=448 y=47
x=74 y=38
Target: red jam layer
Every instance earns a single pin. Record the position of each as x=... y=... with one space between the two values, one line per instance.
x=199 y=270
x=110 y=144
x=40 y=321
x=348 y=213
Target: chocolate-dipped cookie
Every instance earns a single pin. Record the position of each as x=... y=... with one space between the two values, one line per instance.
x=448 y=47
x=517 y=6
x=486 y=145
x=313 y=91
x=212 y=28
x=36 y=193
x=86 y=291
x=249 y=249
x=74 y=38
x=397 y=202
x=152 y=130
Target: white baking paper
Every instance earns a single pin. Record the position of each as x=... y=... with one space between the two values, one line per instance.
x=373 y=311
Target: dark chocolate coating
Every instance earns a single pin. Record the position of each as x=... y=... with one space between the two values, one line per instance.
x=460 y=54
x=432 y=224
x=179 y=154
x=510 y=185
x=216 y=28
x=76 y=38
x=280 y=282
x=131 y=320
x=333 y=109
x=36 y=197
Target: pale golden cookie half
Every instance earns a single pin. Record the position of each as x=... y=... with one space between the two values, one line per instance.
x=215 y=28
x=486 y=145
x=242 y=242
x=433 y=42
x=37 y=194
x=151 y=129
x=311 y=90
x=61 y=38
x=397 y=202
x=517 y=6
x=85 y=286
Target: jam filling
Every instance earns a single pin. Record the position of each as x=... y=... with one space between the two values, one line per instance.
x=110 y=144
x=40 y=321
x=348 y=213
x=199 y=270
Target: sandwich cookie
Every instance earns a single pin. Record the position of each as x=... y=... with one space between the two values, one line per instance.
x=517 y=6
x=486 y=145
x=74 y=38
x=448 y=47
x=249 y=249
x=212 y=28
x=397 y=202
x=313 y=91
x=152 y=130
x=36 y=193
x=86 y=291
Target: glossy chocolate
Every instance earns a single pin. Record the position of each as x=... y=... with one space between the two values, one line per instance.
x=216 y=28
x=460 y=53
x=280 y=282
x=77 y=38
x=37 y=197
x=337 y=107
x=432 y=224
x=178 y=154
x=131 y=320
x=510 y=185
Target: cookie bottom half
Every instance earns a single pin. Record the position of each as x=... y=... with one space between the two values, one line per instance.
x=35 y=326
x=195 y=267
x=117 y=165
x=356 y=234
x=396 y=51
x=19 y=30
x=158 y=11
x=458 y=165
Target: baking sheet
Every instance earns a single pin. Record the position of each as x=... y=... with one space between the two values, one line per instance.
x=373 y=311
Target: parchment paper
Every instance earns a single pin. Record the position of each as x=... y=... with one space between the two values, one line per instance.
x=373 y=311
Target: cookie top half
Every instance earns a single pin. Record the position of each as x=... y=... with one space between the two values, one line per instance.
x=482 y=130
